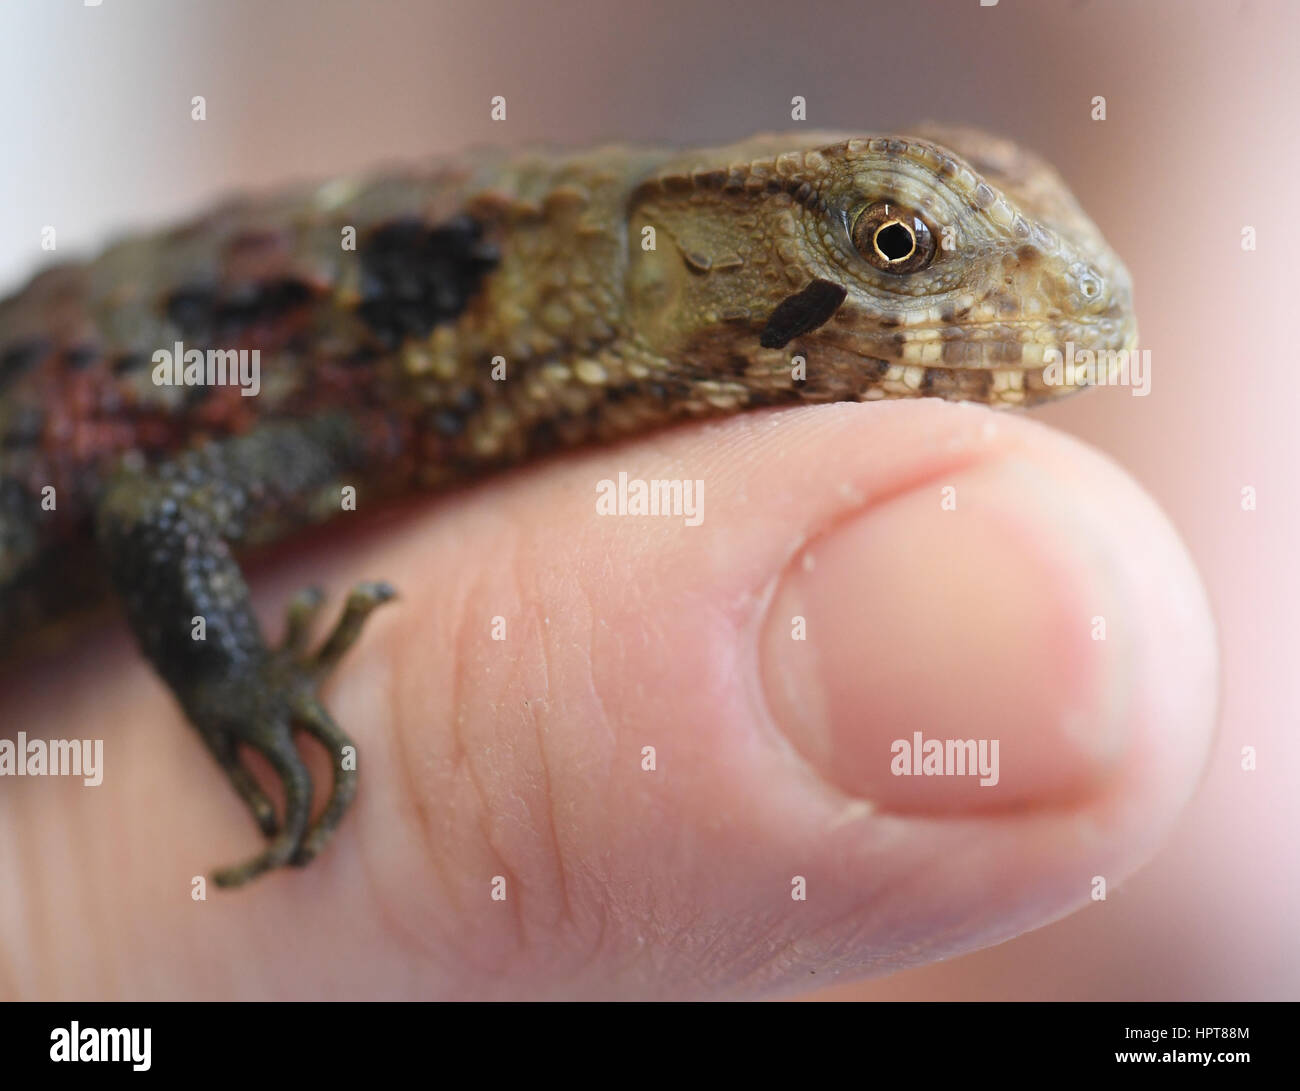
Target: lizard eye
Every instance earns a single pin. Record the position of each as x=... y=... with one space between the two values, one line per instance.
x=892 y=238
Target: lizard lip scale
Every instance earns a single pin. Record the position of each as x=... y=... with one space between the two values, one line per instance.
x=416 y=330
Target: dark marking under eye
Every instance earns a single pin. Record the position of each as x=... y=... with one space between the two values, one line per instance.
x=802 y=312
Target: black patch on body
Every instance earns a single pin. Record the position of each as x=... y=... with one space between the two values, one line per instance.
x=80 y=357
x=801 y=312
x=21 y=357
x=211 y=315
x=414 y=277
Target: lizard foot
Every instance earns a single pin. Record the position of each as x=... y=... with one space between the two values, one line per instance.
x=264 y=711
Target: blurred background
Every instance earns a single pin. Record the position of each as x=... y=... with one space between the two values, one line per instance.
x=1199 y=141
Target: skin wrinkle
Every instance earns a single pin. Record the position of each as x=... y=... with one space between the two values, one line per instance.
x=848 y=945
x=751 y=960
x=461 y=685
x=599 y=873
x=597 y=945
x=520 y=666
x=423 y=818
x=515 y=679
x=416 y=939
x=459 y=758
x=423 y=942
x=634 y=962
x=739 y=962
x=384 y=893
x=602 y=709
x=549 y=800
x=515 y=886
x=659 y=919
x=850 y=918
x=795 y=953
x=685 y=927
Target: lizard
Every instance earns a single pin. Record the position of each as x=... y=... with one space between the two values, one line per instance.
x=421 y=328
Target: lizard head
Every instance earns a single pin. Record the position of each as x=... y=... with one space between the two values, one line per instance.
x=950 y=263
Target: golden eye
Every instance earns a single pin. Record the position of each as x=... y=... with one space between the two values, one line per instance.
x=892 y=238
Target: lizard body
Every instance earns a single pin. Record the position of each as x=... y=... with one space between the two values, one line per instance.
x=489 y=311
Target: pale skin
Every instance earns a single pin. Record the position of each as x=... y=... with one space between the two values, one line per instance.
x=523 y=758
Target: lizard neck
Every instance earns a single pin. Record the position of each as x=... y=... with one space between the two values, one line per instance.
x=543 y=355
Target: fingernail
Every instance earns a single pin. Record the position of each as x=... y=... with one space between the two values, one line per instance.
x=958 y=647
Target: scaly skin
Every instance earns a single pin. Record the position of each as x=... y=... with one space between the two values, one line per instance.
x=489 y=312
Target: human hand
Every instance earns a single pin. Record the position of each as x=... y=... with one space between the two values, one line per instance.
x=523 y=758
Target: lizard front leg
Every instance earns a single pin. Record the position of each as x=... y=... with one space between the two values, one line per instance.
x=167 y=535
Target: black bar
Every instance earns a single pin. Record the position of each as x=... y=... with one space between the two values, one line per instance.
x=611 y=1043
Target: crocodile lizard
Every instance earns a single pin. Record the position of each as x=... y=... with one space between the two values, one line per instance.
x=418 y=329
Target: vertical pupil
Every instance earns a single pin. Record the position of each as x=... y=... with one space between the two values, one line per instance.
x=895 y=241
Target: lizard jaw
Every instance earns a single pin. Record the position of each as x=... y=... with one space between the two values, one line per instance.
x=1001 y=345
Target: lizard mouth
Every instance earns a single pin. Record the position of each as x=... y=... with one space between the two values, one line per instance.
x=1009 y=345
x=1009 y=373
x=995 y=363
